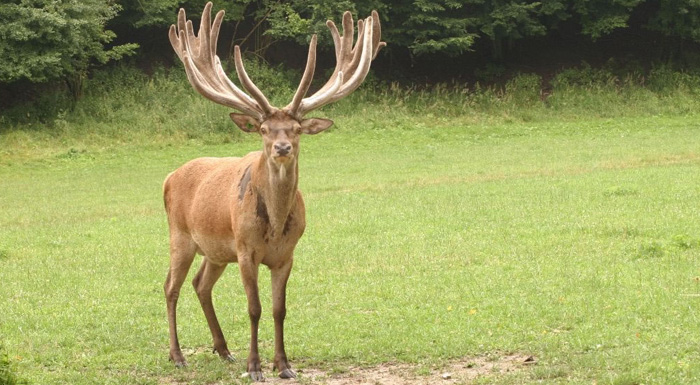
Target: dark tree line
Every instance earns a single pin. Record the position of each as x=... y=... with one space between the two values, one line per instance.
x=48 y=40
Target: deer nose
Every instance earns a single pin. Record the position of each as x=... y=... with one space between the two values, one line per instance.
x=283 y=148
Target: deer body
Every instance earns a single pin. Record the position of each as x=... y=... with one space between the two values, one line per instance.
x=222 y=208
x=232 y=210
x=249 y=210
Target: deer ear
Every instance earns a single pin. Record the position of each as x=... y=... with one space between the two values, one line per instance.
x=315 y=125
x=245 y=122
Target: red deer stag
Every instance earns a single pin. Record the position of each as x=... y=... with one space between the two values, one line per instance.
x=248 y=210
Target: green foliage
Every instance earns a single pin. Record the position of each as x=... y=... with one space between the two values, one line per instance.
x=285 y=22
x=161 y=13
x=514 y=20
x=524 y=89
x=43 y=40
x=437 y=26
x=451 y=27
x=511 y=20
x=600 y=17
x=678 y=18
x=297 y=20
x=584 y=76
x=138 y=13
x=665 y=80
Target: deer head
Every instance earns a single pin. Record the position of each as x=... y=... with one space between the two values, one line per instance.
x=280 y=128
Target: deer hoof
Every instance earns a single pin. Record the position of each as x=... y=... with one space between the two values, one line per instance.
x=256 y=376
x=229 y=358
x=225 y=355
x=288 y=373
x=179 y=360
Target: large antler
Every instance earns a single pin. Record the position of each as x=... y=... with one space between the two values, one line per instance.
x=352 y=64
x=203 y=66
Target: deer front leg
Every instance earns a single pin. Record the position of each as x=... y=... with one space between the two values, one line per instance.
x=203 y=284
x=279 y=279
x=182 y=253
x=249 y=276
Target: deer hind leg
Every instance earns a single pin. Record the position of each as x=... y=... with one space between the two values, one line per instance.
x=279 y=311
x=249 y=276
x=203 y=284
x=182 y=252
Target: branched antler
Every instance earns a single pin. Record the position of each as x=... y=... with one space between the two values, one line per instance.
x=204 y=70
x=205 y=73
x=352 y=64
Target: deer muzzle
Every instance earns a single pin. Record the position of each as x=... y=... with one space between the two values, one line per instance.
x=282 y=149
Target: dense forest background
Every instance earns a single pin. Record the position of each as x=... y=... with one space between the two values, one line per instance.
x=59 y=43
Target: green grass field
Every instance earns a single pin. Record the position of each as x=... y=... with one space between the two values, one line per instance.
x=573 y=240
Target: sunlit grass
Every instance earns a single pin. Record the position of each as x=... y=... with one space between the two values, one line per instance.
x=576 y=241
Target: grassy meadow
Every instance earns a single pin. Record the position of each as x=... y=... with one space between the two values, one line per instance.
x=442 y=224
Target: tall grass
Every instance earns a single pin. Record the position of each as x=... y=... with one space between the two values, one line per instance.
x=572 y=94
x=123 y=105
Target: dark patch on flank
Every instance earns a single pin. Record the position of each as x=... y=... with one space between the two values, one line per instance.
x=287 y=224
x=261 y=210
x=243 y=184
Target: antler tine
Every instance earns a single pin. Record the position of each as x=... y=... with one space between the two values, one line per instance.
x=207 y=50
x=248 y=84
x=360 y=70
x=336 y=38
x=356 y=52
x=348 y=34
x=308 y=76
x=343 y=45
x=319 y=97
x=223 y=78
x=376 y=42
x=203 y=66
x=189 y=38
x=352 y=63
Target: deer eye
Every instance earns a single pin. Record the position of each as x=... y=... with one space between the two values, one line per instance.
x=263 y=130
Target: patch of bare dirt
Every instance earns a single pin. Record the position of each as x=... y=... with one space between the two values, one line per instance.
x=460 y=371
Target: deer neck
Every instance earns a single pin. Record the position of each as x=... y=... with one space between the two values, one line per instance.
x=277 y=191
